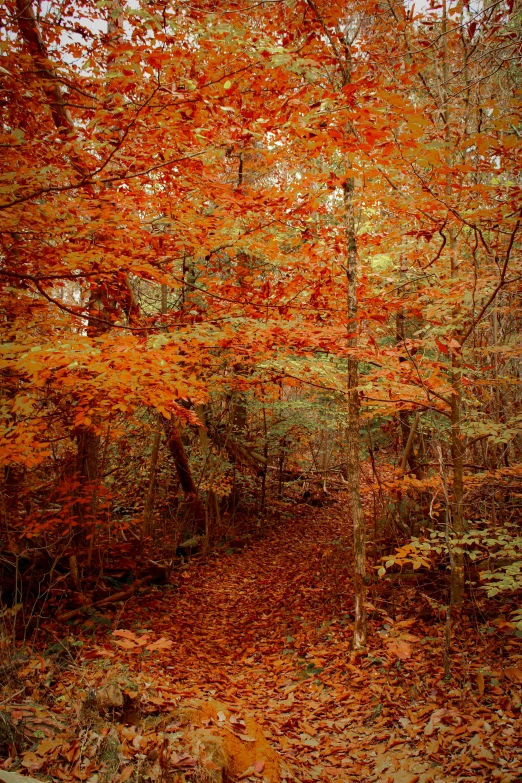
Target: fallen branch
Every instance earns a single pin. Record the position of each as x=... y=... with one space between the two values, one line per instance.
x=14 y=777
x=122 y=595
x=238 y=453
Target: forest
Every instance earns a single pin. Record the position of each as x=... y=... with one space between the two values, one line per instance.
x=261 y=407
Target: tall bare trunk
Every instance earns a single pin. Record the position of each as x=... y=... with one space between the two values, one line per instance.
x=352 y=430
x=404 y=416
x=457 y=505
x=149 y=497
x=457 y=441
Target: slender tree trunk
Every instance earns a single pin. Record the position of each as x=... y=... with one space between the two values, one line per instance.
x=177 y=450
x=240 y=414
x=404 y=416
x=352 y=430
x=498 y=413
x=409 y=443
x=457 y=455
x=265 y=455
x=457 y=440
x=149 y=497
x=281 y=467
x=212 y=514
x=164 y=298
x=457 y=505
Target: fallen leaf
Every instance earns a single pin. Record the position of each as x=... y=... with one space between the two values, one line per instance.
x=31 y=761
x=399 y=647
x=513 y=673
x=126 y=773
x=185 y=761
x=47 y=745
x=125 y=635
x=160 y=644
x=126 y=644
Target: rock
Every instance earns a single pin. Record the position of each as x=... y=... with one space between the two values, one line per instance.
x=109 y=695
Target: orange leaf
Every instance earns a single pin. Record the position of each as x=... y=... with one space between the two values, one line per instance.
x=126 y=635
x=400 y=648
x=160 y=644
x=126 y=773
x=126 y=644
x=31 y=761
x=47 y=745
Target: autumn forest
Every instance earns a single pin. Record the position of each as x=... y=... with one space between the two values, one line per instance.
x=261 y=405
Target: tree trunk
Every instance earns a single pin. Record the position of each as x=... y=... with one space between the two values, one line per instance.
x=31 y=34
x=352 y=430
x=409 y=443
x=457 y=504
x=404 y=416
x=149 y=498
x=457 y=440
x=87 y=439
x=212 y=514
x=194 y=505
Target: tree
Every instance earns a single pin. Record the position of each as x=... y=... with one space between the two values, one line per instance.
x=207 y=207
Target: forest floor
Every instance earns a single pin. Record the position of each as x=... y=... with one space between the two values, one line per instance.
x=263 y=634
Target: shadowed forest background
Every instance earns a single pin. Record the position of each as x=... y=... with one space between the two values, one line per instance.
x=260 y=283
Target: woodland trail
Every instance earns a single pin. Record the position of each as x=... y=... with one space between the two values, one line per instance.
x=267 y=630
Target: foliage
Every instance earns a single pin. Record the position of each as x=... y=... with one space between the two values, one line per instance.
x=234 y=241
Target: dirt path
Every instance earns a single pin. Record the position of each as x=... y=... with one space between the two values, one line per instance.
x=268 y=629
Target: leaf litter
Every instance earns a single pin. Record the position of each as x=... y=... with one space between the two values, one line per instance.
x=253 y=651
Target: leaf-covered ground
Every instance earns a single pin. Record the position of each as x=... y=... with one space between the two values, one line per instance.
x=266 y=630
